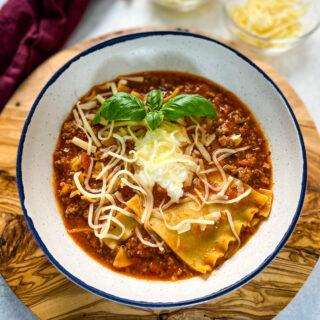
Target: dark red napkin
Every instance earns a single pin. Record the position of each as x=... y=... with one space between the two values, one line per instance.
x=31 y=31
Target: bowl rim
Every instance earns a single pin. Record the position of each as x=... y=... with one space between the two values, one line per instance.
x=303 y=36
x=144 y=304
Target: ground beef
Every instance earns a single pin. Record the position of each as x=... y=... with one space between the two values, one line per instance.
x=265 y=180
x=237 y=117
x=227 y=142
x=223 y=129
x=244 y=174
x=72 y=209
x=61 y=163
x=231 y=169
x=153 y=262
x=69 y=130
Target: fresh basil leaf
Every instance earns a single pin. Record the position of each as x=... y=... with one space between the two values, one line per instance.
x=121 y=106
x=154 y=99
x=154 y=119
x=188 y=105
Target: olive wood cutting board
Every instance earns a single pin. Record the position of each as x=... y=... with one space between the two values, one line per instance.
x=50 y=295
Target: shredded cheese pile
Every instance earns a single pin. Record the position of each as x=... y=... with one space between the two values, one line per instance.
x=172 y=156
x=270 y=19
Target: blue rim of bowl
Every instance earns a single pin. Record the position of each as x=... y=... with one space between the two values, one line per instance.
x=144 y=304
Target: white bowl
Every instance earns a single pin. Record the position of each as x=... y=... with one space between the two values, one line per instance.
x=161 y=50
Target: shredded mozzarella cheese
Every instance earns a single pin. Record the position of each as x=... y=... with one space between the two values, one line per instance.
x=88 y=128
x=228 y=152
x=134 y=79
x=220 y=194
x=83 y=144
x=145 y=242
x=113 y=87
x=237 y=199
x=232 y=226
x=103 y=130
x=210 y=139
x=76 y=117
x=100 y=99
x=88 y=105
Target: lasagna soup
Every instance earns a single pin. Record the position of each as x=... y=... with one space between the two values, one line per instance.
x=162 y=175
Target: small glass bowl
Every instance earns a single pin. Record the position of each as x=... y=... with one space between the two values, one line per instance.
x=310 y=22
x=180 y=5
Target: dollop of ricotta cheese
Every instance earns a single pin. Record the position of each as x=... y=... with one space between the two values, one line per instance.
x=160 y=159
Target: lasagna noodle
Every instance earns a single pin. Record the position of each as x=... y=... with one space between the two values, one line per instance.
x=135 y=205
x=201 y=249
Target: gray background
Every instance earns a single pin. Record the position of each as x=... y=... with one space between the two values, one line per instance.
x=301 y=67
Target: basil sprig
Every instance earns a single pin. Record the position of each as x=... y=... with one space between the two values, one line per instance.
x=121 y=106
x=125 y=106
x=154 y=119
x=155 y=99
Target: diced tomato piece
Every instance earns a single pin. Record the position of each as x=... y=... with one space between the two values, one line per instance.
x=85 y=161
x=246 y=163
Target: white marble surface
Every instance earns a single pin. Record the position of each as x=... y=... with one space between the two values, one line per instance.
x=301 y=67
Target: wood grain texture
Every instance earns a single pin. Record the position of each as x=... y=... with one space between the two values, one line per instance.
x=52 y=296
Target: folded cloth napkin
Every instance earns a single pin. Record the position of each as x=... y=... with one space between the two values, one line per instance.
x=31 y=31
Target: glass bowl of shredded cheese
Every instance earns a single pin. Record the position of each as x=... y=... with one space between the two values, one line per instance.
x=272 y=26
